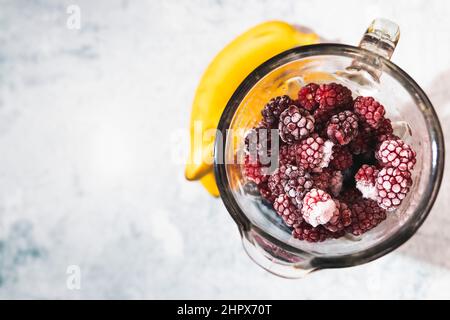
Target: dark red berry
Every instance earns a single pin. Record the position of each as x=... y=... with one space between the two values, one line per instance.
x=295 y=124
x=369 y=110
x=298 y=183
x=341 y=159
x=273 y=109
x=392 y=186
x=328 y=180
x=290 y=213
x=258 y=141
x=342 y=217
x=332 y=96
x=306 y=97
x=277 y=181
x=309 y=233
x=365 y=181
x=266 y=193
x=342 y=127
x=396 y=154
x=350 y=195
x=384 y=130
x=254 y=171
x=313 y=153
x=366 y=215
x=362 y=143
x=287 y=154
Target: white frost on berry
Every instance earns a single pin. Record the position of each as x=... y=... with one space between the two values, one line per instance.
x=327 y=154
x=320 y=213
x=368 y=190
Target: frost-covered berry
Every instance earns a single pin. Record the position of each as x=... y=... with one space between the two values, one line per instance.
x=318 y=207
x=392 y=186
x=365 y=181
x=343 y=127
x=396 y=154
x=295 y=124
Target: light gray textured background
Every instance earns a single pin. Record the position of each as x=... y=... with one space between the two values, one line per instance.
x=85 y=171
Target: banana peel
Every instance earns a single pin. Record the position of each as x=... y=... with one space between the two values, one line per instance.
x=220 y=80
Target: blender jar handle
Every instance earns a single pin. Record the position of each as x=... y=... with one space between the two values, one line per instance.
x=381 y=38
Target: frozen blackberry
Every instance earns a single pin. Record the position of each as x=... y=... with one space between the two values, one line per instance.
x=277 y=181
x=365 y=181
x=321 y=180
x=384 y=131
x=328 y=180
x=266 y=193
x=366 y=215
x=299 y=182
x=308 y=233
x=350 y=195
x=313 y=153
x=318 y=207
x=273 y=109
x=306 y=97
x=295 y=124
x=287 y=154
x=396 y=154
x=254 y=171
x=362 y=143
x=392 y=186
x=342 y=217
x=343 y=127
x=333 y=96
x=341 y=159
x=258 y=141
x=290 y=213
x=336 y=182
x=369 y=110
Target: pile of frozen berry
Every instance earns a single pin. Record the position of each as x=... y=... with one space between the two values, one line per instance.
x=341 y=168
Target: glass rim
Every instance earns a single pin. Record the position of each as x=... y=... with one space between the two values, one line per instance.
x=437 y=153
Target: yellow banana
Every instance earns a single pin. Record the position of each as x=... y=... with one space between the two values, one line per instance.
x=222 y=77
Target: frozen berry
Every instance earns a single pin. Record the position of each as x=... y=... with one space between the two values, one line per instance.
x=287 y=154
x=341 y=159
x=273 y=109
x=299 y=182
x=342 y=127
x=290 y=213
x=350 y=195
x=361 y=143
x=384 y=130
x=322 y=179
x=258 y=140
x=295 y=124
x=266 y=193
x=369 y=110
x=336 y=182
x=392 y=186
x=366 y=215
x=318 y=207
x=365 y=181
x=396 y=154
x=277 y=181
x=332 y=96
x=328 y=180
x=306 y=97
x=313 y=153
x=308 y=233
x=254 y=171
x=342 y=217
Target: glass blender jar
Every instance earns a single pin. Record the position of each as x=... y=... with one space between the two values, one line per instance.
x=367 y=71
